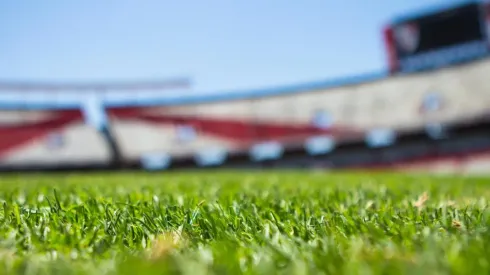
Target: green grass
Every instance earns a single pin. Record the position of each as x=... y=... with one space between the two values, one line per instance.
x=243 y=223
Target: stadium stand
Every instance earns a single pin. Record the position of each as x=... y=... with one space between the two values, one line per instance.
x=362 y=121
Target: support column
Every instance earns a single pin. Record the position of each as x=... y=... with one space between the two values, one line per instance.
x=96 y=116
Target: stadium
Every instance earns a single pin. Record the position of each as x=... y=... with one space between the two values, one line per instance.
x=232 y=163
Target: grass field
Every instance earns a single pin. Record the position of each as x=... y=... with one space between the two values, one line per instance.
x=244 y=223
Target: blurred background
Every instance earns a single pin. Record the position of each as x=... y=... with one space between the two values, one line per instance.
x=162 y=85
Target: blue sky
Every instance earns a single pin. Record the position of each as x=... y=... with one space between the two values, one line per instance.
x=219 y=44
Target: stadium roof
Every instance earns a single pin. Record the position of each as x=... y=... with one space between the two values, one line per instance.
x=114 y=86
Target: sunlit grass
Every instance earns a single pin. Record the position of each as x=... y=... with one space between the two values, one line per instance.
x=244 y=223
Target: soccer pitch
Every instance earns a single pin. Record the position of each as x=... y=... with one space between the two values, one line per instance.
x=244 y=222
